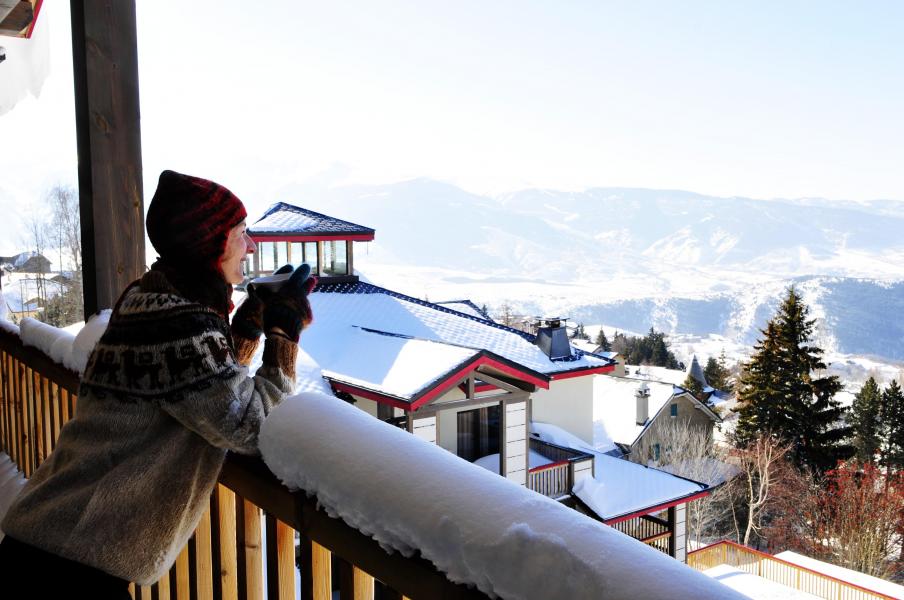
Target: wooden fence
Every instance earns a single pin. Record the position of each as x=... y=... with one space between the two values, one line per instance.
x=258 y=540
x=778 y=570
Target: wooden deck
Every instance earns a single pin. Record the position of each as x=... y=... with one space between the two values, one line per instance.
x=256 y=538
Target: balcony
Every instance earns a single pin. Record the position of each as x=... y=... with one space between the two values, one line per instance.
x=444 y=528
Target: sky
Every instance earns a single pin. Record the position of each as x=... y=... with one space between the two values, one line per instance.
x=768 y=99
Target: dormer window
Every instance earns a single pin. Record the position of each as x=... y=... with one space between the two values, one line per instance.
x=673 y=409
x=288 y=234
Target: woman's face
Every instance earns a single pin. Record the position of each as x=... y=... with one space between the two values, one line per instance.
x=238 y=244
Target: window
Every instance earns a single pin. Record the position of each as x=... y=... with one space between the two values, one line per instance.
x=335 y=261
x=673 y=410
x=282 y=253
x=267 y=253
x=478 y=432
x=310 y=255
x=656 y=452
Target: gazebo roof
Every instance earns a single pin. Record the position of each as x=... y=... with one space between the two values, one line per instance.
x=289 y=222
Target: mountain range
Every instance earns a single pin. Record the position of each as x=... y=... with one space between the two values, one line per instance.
x=634 y=258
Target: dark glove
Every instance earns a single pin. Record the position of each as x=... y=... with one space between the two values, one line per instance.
x=248 y=319
x=288 y=308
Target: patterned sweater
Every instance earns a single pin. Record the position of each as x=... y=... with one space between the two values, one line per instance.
x=161 y=401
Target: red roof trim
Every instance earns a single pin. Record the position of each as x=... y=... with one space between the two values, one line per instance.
x=370 y=395
x=656 y=508
x=34 y=18
x=582 y=372
x=479 y=387
x=276 y=237
x=440 y=387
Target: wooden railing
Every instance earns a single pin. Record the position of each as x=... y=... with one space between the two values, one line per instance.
x=651 y=530
x=557 y=478
x=256 y=540
x=550 y=480
x=778 y=570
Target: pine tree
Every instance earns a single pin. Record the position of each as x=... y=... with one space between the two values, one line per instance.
x=865 y=423
x=716 y=373
x=602 y=342
x=892 y=427
x=694 y=387
x=781 y=393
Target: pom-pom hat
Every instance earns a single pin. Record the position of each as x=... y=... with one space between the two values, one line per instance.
x=189 y=219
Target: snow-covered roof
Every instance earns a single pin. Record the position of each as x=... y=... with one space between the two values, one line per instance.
x=615 y=408
x=869 y=582
x=288 y=219
x=620 y=487
x=381 y=340
x=467 y=307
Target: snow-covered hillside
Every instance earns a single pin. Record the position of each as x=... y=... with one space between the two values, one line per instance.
x=634 y=258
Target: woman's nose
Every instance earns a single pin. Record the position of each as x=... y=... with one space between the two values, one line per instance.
x=250 y=246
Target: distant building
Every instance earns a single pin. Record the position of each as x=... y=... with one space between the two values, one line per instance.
x=25 y=262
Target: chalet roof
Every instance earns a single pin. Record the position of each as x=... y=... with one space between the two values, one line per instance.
x=287 y=219
x=467 y=307
x=402 y=347
x=615 y=408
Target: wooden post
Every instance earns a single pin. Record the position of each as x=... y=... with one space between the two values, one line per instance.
x=108 y=133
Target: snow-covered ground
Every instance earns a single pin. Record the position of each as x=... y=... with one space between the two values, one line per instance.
x=11 y=482
x=755 y=587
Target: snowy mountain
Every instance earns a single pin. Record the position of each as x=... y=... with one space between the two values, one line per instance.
x=635 y=258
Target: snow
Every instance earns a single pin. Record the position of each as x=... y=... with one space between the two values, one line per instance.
x=26 y=66
x=615 y=409
x=478 y=528
x=618 y=487
x=755 y=587
x=65 y=346
x=849 y=575
x=491 y=461
x=11 y=483
x=398 y=366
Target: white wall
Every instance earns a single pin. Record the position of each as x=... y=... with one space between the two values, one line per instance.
x=368 y=406
x=568 y=404
x=516 y=464
x=681 y=532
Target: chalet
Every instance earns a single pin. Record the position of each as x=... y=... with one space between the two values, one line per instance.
x=448 y=374
x=291 y=234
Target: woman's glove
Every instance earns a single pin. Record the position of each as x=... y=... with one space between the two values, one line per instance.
x=248 y=319
x=288 y=308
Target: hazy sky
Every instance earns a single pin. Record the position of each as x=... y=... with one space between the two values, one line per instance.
x=761 y=99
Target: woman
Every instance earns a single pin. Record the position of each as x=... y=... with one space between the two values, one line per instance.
x=164 y=396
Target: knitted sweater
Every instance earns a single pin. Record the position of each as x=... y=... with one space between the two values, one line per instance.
x=161 y=401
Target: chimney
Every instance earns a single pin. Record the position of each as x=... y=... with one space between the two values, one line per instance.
x=642 y=395
x=552 y=338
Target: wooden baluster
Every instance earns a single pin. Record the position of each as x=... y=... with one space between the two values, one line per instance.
x=65 y=406
x=163 y=587
x=228 y=559
x=49 y=438
x=251 y=556
x=5 y=404
x=203 y=559
x=56 y=402
x=280 y=560
x=180 y=572
x=27 y=436
x=39 y=430
x=316 y=571
x=354 y=584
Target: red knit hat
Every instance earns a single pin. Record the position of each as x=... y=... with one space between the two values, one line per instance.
x=189 y=219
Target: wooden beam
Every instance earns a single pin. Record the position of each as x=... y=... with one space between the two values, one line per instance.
x=108 y=133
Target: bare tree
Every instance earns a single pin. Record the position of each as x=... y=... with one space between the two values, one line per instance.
x=65 y=230
x=763 y=468
x=686 y=449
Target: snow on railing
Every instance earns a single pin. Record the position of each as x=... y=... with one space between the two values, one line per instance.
x=478 y=528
